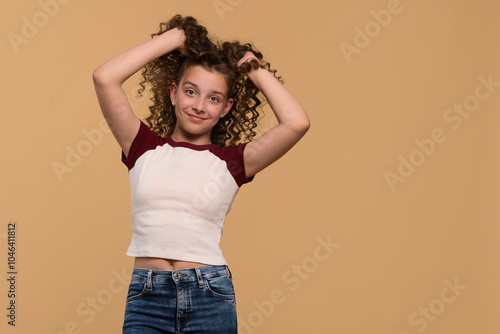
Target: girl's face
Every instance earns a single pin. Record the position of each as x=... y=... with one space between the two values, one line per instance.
x=200 y=101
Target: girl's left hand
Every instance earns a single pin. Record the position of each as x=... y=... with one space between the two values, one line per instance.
x=247 y=56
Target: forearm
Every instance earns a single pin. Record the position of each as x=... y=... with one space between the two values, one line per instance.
x=119 y=68
x=286 y=108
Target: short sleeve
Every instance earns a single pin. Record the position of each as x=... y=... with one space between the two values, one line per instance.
x=233 y=155
x=145 y=140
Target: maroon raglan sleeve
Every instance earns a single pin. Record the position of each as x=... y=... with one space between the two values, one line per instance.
x=145 y=140
x=233 y=155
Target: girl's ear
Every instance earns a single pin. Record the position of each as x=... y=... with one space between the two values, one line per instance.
x=173 y=91
x=227 y=107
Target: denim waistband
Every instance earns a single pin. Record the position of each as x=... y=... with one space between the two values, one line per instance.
x=150 y=276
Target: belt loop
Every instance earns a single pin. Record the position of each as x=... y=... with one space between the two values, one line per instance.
x=149 y=281
x=198 y=275
x=229 y=271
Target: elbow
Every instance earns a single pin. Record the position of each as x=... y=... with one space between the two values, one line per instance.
x=305 y=127
x=298 y=125
x=101 y=77
x=97 y=77
x=302 y=125
x=307 y=124
x=297 y=121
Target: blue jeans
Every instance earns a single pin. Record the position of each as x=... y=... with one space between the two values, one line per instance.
x=195 y=300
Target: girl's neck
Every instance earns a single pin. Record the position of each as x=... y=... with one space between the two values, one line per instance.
x=177 y=136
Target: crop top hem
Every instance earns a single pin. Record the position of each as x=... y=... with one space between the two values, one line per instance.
x=178 y=257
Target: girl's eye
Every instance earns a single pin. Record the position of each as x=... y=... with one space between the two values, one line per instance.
x=214 y=99
x=190 y=92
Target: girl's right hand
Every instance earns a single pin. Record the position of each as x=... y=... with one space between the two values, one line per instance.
x=181 y=40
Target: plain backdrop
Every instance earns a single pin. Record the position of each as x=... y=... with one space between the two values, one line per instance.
x=382 y=220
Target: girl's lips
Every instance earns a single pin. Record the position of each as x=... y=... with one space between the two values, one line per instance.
x=195 y=118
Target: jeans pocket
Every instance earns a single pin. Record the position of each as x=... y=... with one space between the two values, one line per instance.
x=220 y=287
x=136 y=290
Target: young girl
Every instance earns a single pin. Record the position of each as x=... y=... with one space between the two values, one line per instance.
x=187 y=165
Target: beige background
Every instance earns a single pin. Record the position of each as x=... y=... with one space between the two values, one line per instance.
x=397 y=248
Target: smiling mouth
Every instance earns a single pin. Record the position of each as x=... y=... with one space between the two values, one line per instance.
x=196 y=118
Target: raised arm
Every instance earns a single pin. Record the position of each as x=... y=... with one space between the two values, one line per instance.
x=109 y=77
x=293 y=122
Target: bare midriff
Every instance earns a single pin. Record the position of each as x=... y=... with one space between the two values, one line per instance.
x=164 y=264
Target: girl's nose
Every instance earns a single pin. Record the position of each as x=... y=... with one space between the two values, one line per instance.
x=198 y=105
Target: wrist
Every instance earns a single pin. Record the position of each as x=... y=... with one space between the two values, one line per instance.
x=257 y=75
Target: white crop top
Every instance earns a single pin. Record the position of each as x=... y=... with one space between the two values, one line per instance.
x=180 y=196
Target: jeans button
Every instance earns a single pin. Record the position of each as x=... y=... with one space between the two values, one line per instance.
x=176 y=275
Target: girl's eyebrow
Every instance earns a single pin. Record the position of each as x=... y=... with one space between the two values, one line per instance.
x=196 y=86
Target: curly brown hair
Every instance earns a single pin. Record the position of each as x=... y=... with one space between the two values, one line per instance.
x=239 y=123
